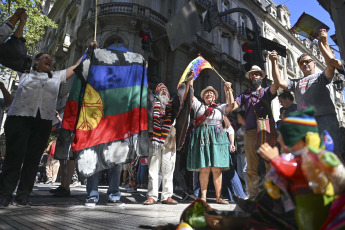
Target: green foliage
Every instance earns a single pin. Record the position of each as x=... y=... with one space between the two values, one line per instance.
x=36 y=24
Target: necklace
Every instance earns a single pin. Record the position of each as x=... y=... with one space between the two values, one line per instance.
x=251 y=96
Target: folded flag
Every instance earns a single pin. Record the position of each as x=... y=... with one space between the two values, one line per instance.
x=308 y=26
x=106 y=109
x=198 y=64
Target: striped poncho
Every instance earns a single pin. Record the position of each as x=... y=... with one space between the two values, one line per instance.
x=161 y=122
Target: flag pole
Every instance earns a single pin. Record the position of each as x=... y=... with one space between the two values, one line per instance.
x=221 y=77
x=218 y=74
x=95 y=21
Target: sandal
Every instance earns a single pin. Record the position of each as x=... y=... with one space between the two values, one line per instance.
x=169 y=201
x=221 y=201
x=150 y=201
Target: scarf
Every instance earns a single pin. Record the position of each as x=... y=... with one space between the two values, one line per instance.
x=161 y=130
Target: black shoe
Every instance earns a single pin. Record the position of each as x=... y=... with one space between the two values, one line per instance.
x=22 y=202
x=62 y=193
x=58 y=189
x=5 y=202
x=246 y=205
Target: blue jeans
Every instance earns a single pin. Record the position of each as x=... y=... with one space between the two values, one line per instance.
x=242 y=168
x=113 y=189
x=331 y=124
x=232 y=182
x=142 y=174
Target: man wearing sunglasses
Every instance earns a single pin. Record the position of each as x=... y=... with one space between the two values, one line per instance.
x=314 y=89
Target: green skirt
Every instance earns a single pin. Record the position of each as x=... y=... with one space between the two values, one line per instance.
x=208 y=147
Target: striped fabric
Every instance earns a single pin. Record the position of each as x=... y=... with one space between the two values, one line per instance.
x=308 y=121
x=161 y=130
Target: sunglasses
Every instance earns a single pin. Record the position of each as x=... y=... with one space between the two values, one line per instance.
x=301 y=63
x=47 y=58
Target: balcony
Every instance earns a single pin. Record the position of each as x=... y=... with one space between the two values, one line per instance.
x=229 y=22
x=241 y=33
x=201 y=45
x=230 y=64
x=129 y=10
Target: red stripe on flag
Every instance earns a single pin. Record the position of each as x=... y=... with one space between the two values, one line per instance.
x=111 y=128
x=70 y=115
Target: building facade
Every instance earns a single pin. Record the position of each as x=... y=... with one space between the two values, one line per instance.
x=119 y=23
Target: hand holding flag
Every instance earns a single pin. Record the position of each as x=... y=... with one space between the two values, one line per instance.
x=197 y=65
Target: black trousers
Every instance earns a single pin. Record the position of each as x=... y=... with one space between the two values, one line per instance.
x=26 y=139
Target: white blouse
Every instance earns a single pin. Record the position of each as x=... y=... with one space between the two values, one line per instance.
x=200 y=109
x=37 y=91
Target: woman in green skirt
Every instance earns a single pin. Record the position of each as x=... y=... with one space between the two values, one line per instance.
x=208 y=147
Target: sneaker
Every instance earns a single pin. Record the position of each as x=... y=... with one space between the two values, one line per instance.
x=22 y=203
x=76 y=184
x=4 y=202
x=91 y=202
x=49 y=181
x=62 y=193
x=117 y=203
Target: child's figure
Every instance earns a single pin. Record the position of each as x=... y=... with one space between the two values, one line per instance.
x=298 y=131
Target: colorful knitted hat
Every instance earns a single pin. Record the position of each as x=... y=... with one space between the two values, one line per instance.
x=159 y=87
x=296 y=125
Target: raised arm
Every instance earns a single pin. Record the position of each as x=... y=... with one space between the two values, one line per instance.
x=190 y=81
x=229 y=97
x=23 y=17
x=326 y=53
x=70 y=70
x=277 y=80
x=7 y=28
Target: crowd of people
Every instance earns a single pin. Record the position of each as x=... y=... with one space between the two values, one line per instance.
x=223 y=140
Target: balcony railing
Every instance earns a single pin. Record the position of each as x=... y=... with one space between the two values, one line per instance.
x=227 y=19
x=242 y=31
x=204 y=43
x=129 y=9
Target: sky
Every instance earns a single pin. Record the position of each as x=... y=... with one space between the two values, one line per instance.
x=313 y=8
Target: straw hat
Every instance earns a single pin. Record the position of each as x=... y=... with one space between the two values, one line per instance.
x=256 y=68
x=207 y=89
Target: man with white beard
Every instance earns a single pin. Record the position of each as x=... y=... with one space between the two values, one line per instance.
x=162 y=155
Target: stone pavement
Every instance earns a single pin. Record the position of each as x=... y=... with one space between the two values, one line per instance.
x=47 y=212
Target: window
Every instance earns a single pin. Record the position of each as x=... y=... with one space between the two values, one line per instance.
x=225 y=5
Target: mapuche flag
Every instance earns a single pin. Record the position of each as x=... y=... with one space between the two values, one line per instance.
x=106 y=107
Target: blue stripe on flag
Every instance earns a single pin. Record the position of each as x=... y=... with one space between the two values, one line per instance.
x=113 y=77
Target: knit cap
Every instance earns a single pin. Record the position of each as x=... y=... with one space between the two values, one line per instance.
x=295 y=127
x=159 y=87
